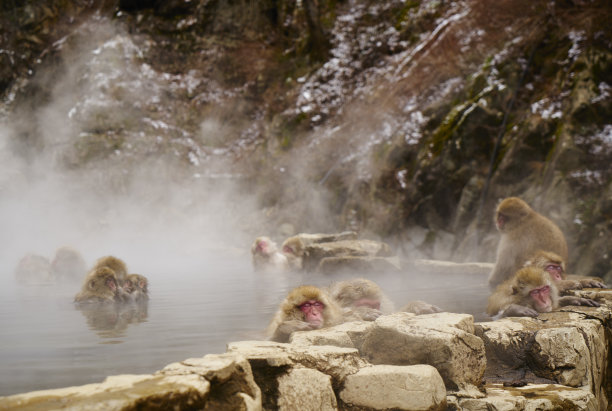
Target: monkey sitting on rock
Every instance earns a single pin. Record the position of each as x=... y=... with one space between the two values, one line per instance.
x=528 y=293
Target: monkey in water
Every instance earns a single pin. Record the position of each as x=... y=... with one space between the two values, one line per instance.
x=528 y=293
x=266 y=256
x=522 y=231
x=68 y=264
x=33 y=269
x=115 y=264
x=305 y=308
x=100 y=286
x=363 y=300
x=137 y=286
x=555 y=266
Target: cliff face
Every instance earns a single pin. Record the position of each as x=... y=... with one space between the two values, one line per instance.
x=408 y=120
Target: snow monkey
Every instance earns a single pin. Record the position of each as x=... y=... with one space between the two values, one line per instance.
x=305 y=308
x=522 y=232
x=68 y=264
x=555 y=266
x=115 y=264
x=528 y=293
x=137 y=286
x=361 y=299
x=32 y=269
x=266 y=256
x=100 y=286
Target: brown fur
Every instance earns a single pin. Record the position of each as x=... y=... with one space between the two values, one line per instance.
x=515 y=291
x=115 y=264
x=347 y=293
x=293 y=248
x=523 y=232
x=289 y=317
x=32 y=269
x=137 y=286
x=96 y=289
x=541 y=259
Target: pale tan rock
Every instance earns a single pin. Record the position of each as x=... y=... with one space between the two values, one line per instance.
x=414 y=387
x=305 y=389
x=337 y=362
x=117 y=393
x=315 y=253
x=436 y=266
x=349 y=335
x=442 y=340
x=532 y=397
x=222 y=371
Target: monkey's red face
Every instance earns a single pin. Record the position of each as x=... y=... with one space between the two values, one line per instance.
x=263 y=247
x=313 y=312
x=541 y=299
x=110 y=283
x=288 y=250
x=555 y=271
x=500 y=222
x=368 y=302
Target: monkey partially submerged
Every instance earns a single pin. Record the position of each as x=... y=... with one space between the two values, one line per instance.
x=68 y=265
x=528 y=293
x=266 y=256
x=115 y=264
x=305 y=308
x=523 y=231
x=100 y=286
x=137 y=287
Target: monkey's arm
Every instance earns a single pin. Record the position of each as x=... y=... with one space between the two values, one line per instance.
x=587 y=282
x=515 y=310
x=420 y=307
x=366 y=313
x=571 y=300
x=284 y=329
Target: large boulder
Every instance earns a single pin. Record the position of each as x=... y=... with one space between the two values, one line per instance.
x=305 y=389
x=315 y=253
x=382 y=387
x=445 y=341
x=567 y=347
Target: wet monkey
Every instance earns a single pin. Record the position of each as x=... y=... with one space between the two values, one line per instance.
x=137 y=286
x=361 y=299
x=115 y=264
x=528 y=293
x=305 y=308
x=522 y=232
x=266 y=257
x=555 y=266
x=100 y=286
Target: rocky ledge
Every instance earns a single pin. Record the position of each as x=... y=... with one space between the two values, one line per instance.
x=559 y=360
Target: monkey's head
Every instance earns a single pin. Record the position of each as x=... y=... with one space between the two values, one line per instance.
x=102 y=280
x=310 y=304
x=510 y=212
x=115 y=264
x=263 y=246
x=293 y=247
x=550 y=262
x=359 y=292
x=535 y=289
x=136 y=282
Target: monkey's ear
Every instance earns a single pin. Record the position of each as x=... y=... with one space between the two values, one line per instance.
x=514 y=290
x=91 y=285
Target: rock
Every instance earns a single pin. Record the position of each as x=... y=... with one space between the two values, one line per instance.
x=529 y=397
x=155 y=392
x=381 y=387
x=336 y=362
x=230 y=378
x=445 y=341
x=432 y=267
x=306 y=389
x=334 y=265
x=349 y=335
x=316 y=252
x=568 y=348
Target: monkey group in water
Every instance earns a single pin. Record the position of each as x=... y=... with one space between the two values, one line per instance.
x=308 y=307
x=109 y=282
